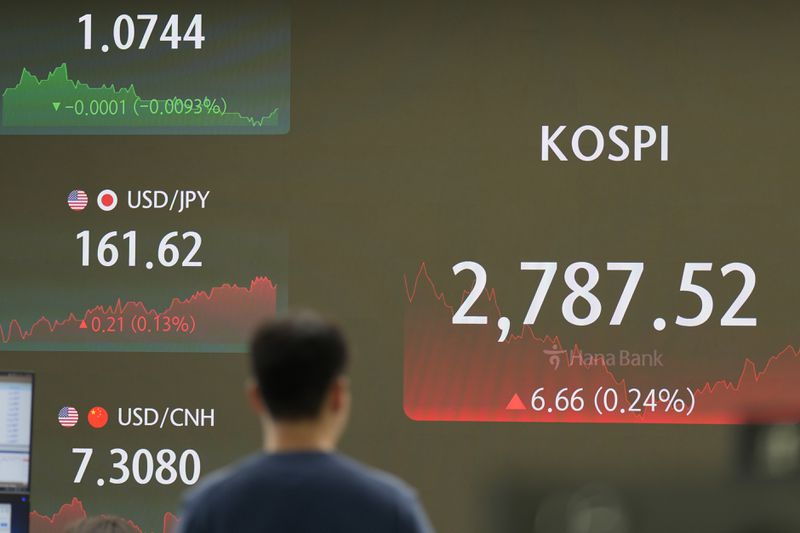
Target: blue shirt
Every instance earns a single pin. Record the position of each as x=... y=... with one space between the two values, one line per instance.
x=303 y=492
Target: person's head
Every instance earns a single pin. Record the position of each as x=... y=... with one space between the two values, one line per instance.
x=102 y=524
x=298 y=363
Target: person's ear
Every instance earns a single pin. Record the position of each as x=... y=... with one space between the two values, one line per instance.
x=340 y=394
x=253 y=394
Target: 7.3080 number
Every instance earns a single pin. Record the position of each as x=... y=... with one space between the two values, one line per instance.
x=164 y=467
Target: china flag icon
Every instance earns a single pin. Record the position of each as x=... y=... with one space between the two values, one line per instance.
x=98 y=417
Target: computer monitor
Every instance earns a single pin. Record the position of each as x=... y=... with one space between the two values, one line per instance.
x=16 y=416
x=15 y=511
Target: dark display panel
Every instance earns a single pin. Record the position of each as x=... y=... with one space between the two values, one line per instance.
x=623 y=298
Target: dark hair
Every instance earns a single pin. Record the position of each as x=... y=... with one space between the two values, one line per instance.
x=102 y=524
x=295 y=360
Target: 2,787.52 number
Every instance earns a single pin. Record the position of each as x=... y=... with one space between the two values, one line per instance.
x=583 y=291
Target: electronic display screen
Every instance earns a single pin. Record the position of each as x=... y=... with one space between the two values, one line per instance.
x=15 y=512
x=560 y=238
x=5 y=518
x=16 y=412
x=150 y=71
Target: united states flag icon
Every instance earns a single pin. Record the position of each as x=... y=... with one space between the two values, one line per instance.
x=68 y=416
x=77 y=200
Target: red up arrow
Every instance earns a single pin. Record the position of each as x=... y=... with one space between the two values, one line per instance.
x=515 y=404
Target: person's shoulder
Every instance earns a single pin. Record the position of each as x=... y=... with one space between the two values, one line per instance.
x=219 y=483
x=379 y=481
x=391 y=495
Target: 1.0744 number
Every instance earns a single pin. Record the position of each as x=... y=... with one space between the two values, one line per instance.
x=125 y=31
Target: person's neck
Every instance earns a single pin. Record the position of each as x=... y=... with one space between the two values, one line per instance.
x=299 y=436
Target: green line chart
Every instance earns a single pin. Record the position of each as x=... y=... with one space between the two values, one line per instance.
x=58 y=101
